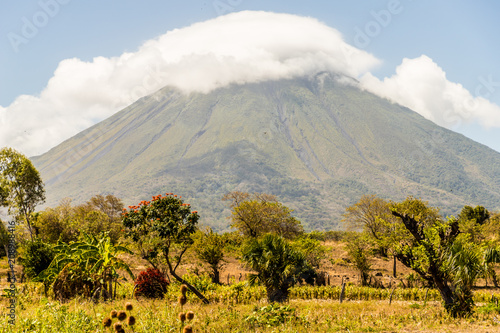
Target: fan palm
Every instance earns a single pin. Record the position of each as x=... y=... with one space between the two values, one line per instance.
x=277 y=264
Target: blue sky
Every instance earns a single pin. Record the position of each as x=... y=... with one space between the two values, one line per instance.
x=459 y=38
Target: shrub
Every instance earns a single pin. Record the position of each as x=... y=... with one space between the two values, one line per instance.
x=37 y=257
x=151 y=283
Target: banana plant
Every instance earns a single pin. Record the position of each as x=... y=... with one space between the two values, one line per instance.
x=97 y=260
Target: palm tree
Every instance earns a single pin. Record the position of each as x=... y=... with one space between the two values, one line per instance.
x=277 y=264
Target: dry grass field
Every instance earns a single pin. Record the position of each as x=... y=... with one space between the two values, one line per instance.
x=240 y=308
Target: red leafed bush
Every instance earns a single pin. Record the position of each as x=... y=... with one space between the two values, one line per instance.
x=151 y=284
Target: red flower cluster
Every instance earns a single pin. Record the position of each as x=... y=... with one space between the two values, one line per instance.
x=156 y=197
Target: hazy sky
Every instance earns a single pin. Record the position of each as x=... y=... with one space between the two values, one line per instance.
x=66 y=65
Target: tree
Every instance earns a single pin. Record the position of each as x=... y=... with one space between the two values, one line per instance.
x=162 y=229
x=36 y=257
x=67 y=223
x=372 y=215
x=433 y=253
x=312 y=249
x=21 y=187
x=358 y=248
x=258 y=214
x=277 y=264
x=4 y=239
x=209 y=248
x=479 y=214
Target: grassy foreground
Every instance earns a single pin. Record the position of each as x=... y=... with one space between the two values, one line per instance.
x=36 y=313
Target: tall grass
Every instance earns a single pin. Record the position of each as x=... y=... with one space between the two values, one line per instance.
x=235 y=309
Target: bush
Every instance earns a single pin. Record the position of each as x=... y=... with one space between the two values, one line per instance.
x=37 y=257
x=151 y=283
x=278 y=265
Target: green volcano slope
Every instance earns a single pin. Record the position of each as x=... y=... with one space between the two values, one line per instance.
x=318 y=143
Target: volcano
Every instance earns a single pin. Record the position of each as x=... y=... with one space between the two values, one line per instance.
x=318 y=143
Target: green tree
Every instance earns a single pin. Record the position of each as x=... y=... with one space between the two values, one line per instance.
x=209 y=247
x=163 y=230
x=358 y=248
x=258 y=214
x=372 y=215
x=67 y=223
x=36 y=257
x=434 y=252
x=277 y=264
x=4 y=239
x=479 y=214
x=312 y=249
x=21 y=187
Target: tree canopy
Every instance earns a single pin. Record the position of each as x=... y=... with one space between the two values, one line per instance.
x=260 y=213
x=21 y=187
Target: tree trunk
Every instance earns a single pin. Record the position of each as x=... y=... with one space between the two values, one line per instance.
x=216 y=276
x=493 y=275
x=394 y=273
x=279 y=295
x=446 y=292
x=342 y=291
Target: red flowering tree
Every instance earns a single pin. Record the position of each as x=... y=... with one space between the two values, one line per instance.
x=163 y=228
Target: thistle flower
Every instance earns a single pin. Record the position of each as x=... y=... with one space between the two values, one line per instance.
x=129 y=306
x=131 y=321
x=188 y=329
x=122 y=315
x=182 y=316
x=118 y=327
x=113 y=313
x=182 y=300
x=184 y=288
x=107 y=322
x=190 y=315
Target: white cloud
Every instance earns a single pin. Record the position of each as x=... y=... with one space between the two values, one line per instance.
x=421 y=85
x=236 y=48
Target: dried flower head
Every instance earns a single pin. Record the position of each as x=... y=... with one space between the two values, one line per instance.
x=122 y=315
x=131 y=321
x=113 y=313
x=190 y=315
x=118 y=327
x=107 y=322
x=182 y=300
x=188 y=329
x=184 y=289
x=182 y=316
x=129 y=306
